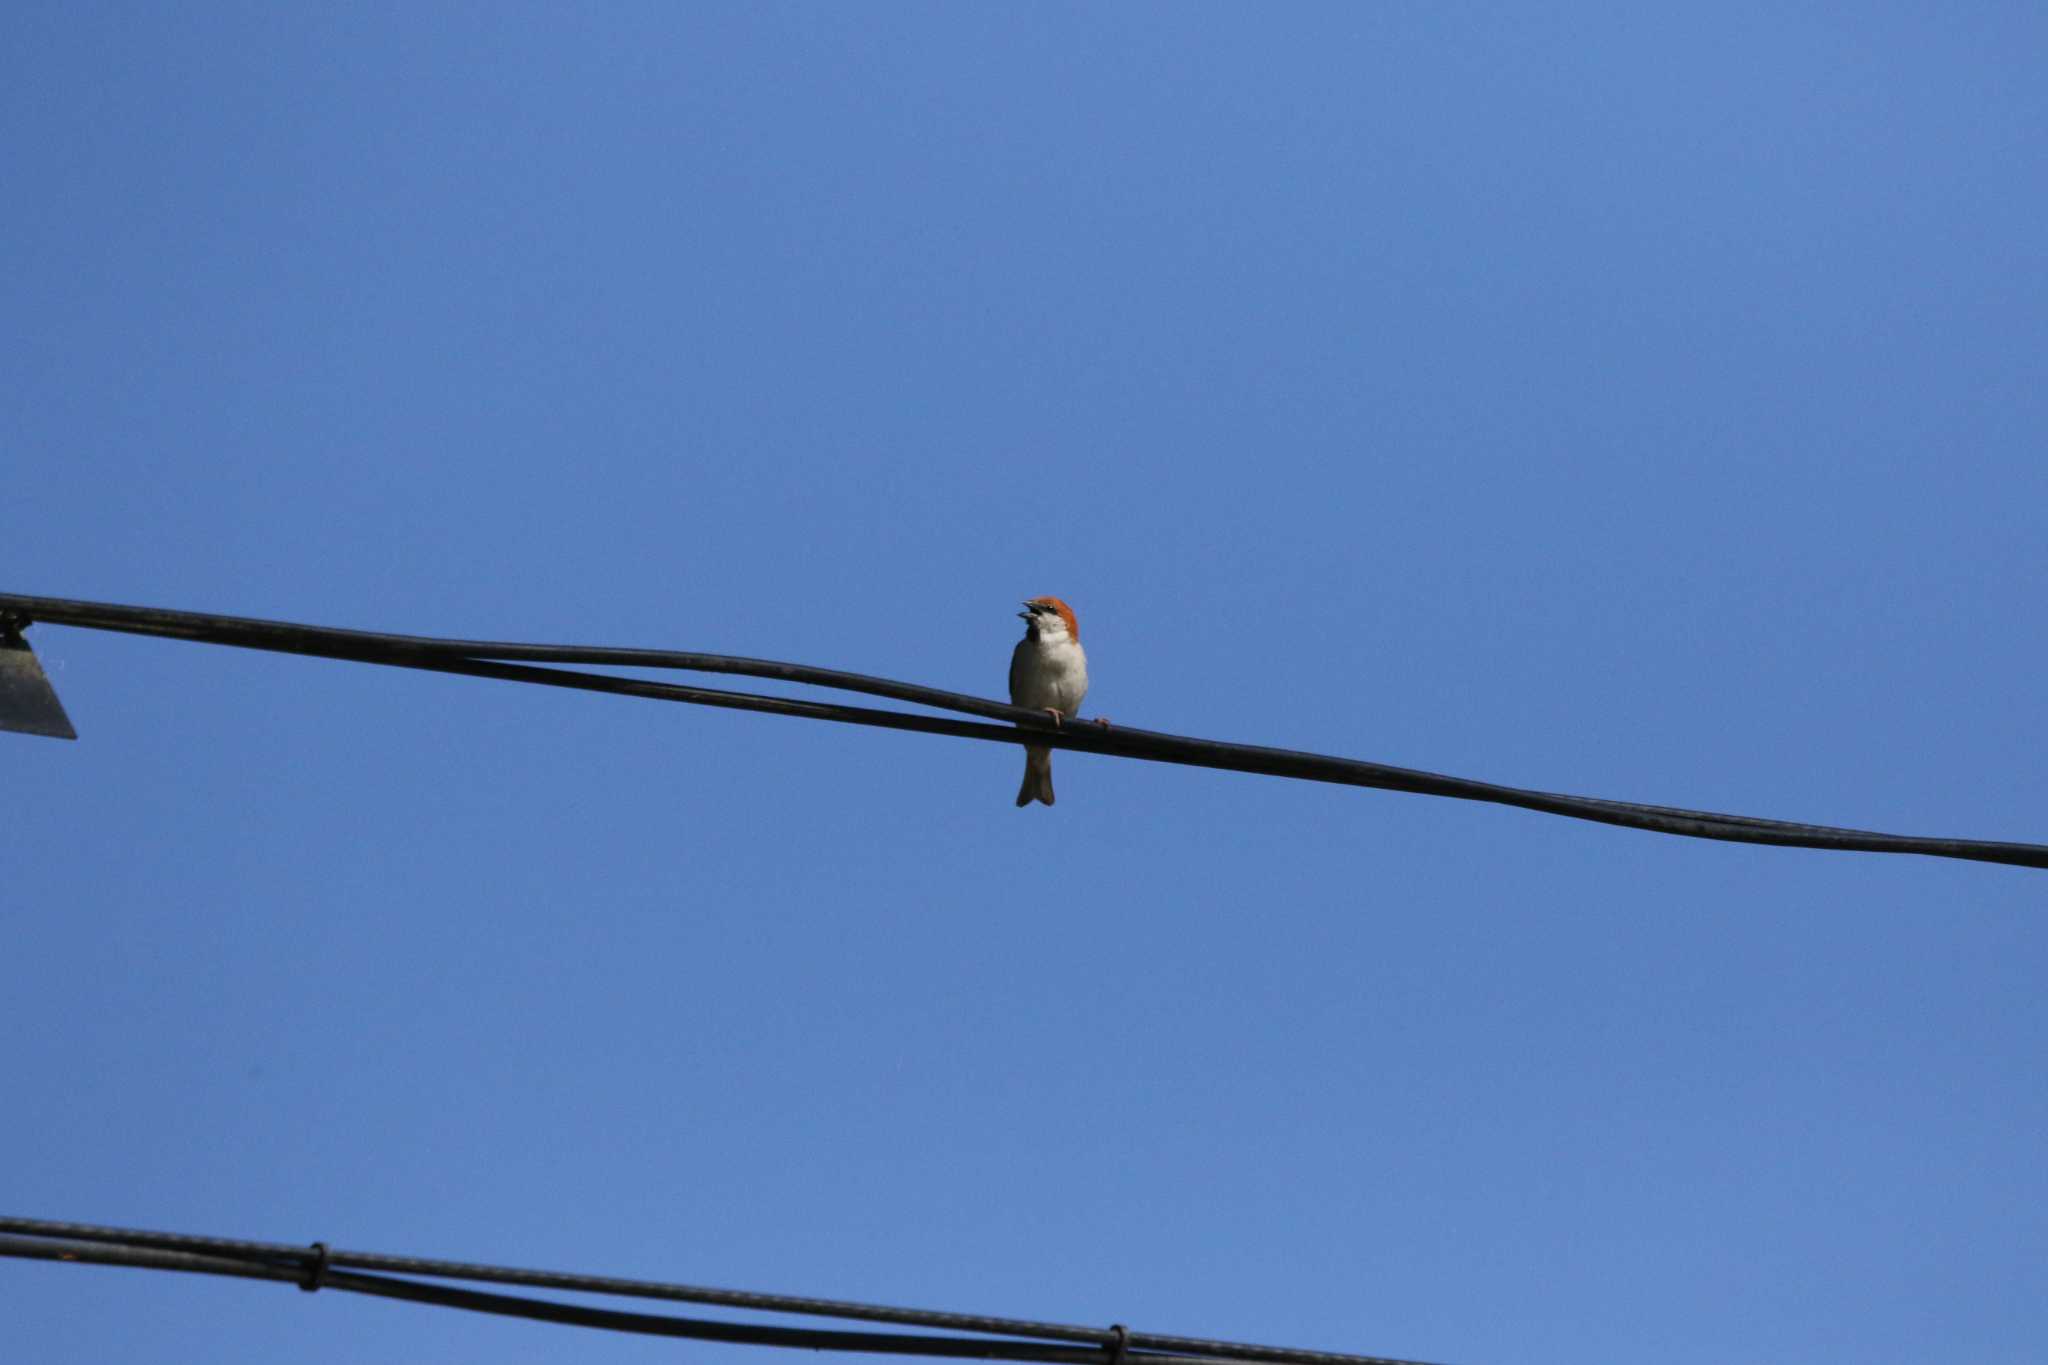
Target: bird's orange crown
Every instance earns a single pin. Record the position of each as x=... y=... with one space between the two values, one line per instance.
x=1066 y=613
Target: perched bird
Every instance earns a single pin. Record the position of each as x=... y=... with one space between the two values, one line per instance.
x=1048 y=672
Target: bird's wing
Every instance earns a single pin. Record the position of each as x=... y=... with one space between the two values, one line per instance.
x=1017 y=668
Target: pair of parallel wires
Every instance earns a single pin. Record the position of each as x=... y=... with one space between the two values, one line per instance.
x=953 y=1336
x=544 y=665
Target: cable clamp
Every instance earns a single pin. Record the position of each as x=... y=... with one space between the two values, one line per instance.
x=316 y=1269
x=1119 y=1344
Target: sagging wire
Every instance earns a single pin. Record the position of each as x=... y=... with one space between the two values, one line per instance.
x=319 y=1266
x=520 y=663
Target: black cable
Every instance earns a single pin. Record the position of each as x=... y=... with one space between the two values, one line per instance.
x=573 y=1315
x=492 y=660
x=364 y=646
x=54 y=1241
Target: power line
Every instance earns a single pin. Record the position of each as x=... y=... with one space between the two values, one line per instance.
x=385 y=1276
x=519 y=663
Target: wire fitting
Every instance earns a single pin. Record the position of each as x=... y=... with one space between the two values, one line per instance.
x=316 y=1269
x=1119 y=1344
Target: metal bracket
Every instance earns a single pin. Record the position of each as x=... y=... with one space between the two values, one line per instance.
x=28 y=704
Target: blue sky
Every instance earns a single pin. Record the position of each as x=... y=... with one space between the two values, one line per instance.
x=1630 y=402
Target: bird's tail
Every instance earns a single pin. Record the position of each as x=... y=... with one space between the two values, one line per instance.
x=1037 y=776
